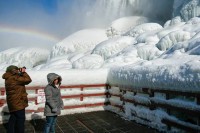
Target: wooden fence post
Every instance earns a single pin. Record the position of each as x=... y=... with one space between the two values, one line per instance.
x=81 y=97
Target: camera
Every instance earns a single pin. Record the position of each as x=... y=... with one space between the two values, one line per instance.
x=20 y=70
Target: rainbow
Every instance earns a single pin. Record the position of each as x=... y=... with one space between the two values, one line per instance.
x=29 y=32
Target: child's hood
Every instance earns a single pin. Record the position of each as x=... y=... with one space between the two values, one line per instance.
x=52 y=76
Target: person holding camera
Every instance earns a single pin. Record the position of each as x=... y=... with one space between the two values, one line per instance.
x=16 y=96
x=54 y=102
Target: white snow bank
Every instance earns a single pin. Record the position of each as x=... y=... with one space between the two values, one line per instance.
x=112 y=46
x=122 y=25
x=175 y=72
x=80 y=41
x=146 y=27
x=174 y=22
x=190 y=47
x=23 y=56
x=190 y=9
x=70 y=77
x=92 y=61
x=56 y=63
x=148 y=52
x=127 y=56
x=170 y=39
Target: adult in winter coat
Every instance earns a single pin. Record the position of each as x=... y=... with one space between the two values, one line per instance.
x=54 y=103
x=16 y=96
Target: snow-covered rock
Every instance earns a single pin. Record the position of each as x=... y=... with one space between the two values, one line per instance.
x=147 y=27
x=148 y=52
x=175 y=21
x=190 y=47
x=23 y=56
x=80 y=41
x=170 y=39
x=113 y=46
x=123 y=25
x=92 y=61
x=187 y=9
x=56 y=63
x=127 y=56
x=190 y=9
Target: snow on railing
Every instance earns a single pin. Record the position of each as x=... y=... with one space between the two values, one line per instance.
x=165 y=110
x=74 y=97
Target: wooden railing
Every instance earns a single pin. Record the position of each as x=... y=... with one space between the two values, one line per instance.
x=81 y=96
x=191 y=112
x=167 y=103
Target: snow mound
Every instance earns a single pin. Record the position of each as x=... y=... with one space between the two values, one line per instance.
x=80 y=41
x=148 y=37
x=56 y=63
x=113 y=46
x=148 y=52
x=88 y=62
x=170 y=39
x=143 y=28
x=187 y=9
x=190 y=47
x=175 y=21
x=123 y=25
x=128 y=55
x=75 y=56
x=193 y=21
x=170 y=73
x=190 y=9
x=22 y=56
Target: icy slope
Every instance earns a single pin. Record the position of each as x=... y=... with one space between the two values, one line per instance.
x=80 y=41
x=23 y=56
x=187 y=9
x=123 y=25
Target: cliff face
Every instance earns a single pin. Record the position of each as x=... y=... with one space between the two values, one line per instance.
x=187 y=9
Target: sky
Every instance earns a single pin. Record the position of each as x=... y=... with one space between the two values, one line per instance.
x=48 y=20
x=40 y=15
x=45 y=22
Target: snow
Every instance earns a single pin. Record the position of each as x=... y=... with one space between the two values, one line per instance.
x=113 y=46
x=142 y=28
x=23 y=56
x=123 y=25
x=170 y=39
x=190 y=10
x=70 y=77
x=80 y=41
x=133 y=53
x=92 y=61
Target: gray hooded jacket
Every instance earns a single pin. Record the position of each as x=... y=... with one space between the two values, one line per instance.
x=54 y=101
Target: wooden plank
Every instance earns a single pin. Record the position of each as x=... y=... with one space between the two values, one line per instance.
x=84 y=95
x=198 y=103
x=77 y=106
x=82 y=86
x=86 y=127
x=191 y=112
x=178 y=93
x=185 y=127
x=137 y=103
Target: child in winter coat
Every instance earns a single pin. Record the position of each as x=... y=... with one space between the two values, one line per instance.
x=54 y=103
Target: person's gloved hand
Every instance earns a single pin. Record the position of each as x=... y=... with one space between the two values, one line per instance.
x=62 y=106
x=55 y=110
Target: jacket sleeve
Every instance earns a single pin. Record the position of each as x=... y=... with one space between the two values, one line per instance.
x=49 y=99
x=61 y=101
x=24 y=79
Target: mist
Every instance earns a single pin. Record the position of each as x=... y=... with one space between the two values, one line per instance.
x=60 y=18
